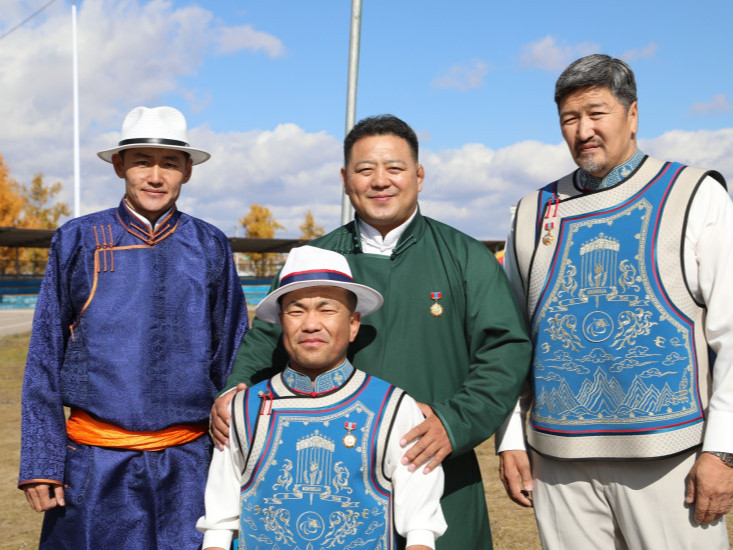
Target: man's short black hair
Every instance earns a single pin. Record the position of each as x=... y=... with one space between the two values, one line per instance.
x=380 y=125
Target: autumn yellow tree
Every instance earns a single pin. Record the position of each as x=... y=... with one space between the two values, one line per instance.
x=11 y=200
x=41 y=211
x=31 y=206
x=309 y=228
x=259 y=223
x=11 y=210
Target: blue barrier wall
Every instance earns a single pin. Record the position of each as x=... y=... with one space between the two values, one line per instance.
x=23 y=293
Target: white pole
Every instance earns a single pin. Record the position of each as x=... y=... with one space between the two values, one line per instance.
x=354 y=40
x=77 y=186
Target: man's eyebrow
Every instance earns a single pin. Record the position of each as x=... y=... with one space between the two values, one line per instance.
x=371 y=162
x=592 y=105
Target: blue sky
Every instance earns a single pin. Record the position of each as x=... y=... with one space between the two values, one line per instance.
x=263 y=85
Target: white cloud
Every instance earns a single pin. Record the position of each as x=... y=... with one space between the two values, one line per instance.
x=717 y=105
x=473 y=188
x=712 y=149
x=133 y=52
x=463 y=77
x=286 y=169
x=130 y=53
x=649 y=50
x=291 y=171
x=546 y=54
x=245 y=37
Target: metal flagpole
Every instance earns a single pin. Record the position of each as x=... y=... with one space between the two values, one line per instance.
x=77 y=186
x=354 y=40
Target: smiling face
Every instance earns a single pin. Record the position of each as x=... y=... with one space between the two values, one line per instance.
x=382 y=180
x=599 y=131
x=318 y=325
x=153 y=178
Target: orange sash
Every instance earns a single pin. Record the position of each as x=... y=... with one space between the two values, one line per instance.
x=86 y=430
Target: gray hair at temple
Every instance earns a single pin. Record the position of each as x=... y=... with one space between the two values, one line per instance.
x=601 y=71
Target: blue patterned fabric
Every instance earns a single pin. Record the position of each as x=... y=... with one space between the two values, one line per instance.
x=327 y=381
x=138 y=329
x=617 y=357
x=614 y=176
x=311 y=479
x=119 y=499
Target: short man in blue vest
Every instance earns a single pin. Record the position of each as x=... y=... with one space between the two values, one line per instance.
x=625 y=269
x=315 y=456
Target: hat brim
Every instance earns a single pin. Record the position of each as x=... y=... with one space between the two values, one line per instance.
x=368 y=300
x=197 y=155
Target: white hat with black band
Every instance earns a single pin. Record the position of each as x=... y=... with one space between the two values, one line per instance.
x=159 y=127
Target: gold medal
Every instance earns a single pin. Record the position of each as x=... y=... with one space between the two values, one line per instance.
x=349 y=439
x=549 y=238
x=436 y=309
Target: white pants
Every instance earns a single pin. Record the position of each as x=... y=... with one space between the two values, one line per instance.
x=615 y=505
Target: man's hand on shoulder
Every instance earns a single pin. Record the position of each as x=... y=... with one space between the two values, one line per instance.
x=43 y=496
x=710 y=488
x=219 y=422
x=516 y=475
x=433 y=443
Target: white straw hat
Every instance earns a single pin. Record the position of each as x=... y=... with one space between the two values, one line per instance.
x=161 y=127
x=309 y=266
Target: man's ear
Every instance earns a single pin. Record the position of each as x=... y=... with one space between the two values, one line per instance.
x=343 y=178
x=354 y=324
x=420 y=177
x=119 y=165
x=633 y=114
x=188 y=171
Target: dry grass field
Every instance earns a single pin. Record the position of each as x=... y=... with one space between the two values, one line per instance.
x=513 y=527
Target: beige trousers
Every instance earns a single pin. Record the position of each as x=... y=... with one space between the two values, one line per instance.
x=615 y=505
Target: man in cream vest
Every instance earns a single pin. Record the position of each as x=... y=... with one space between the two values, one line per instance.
x=624 y=269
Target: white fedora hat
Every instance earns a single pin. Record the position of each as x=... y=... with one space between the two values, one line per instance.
x=308 y=266
x=161 y=127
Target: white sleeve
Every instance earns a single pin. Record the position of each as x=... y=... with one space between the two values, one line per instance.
x=708 y=259
x=417 y=513
x=510 y=435
x=220 y=525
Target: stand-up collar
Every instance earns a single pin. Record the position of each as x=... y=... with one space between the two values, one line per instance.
x=325 y=382
x=373 y=242
x=588 y=182
x=349 y=242
x=164 y=227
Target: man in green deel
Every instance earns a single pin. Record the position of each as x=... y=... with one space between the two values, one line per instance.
x=449 y=331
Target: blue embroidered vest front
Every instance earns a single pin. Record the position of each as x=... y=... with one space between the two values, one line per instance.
x=313 y=476
x=620 y=365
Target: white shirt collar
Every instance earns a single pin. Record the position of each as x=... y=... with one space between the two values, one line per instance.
x=372 y=241
x=143 y=218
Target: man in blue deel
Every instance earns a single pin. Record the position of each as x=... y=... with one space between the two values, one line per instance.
x=138 y=318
